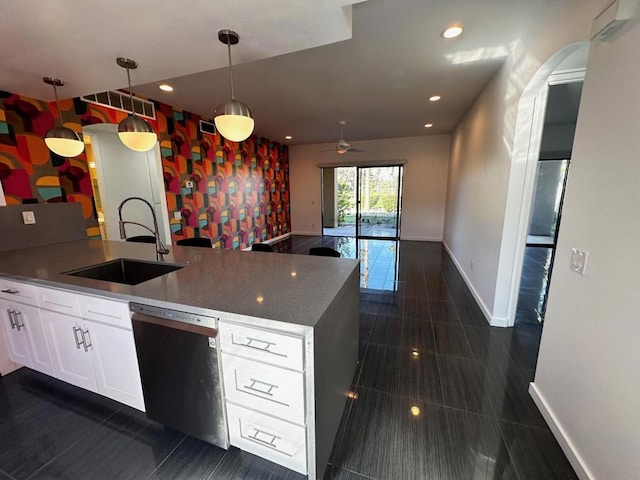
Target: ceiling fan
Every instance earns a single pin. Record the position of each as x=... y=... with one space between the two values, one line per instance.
x=343 y=146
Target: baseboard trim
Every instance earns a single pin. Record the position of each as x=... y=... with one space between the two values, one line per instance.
x=476 y=296
x=499 y=322
x=278 y=238
x=420 y=239
x=563 y=439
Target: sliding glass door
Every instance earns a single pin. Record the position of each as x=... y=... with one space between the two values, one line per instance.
x=362 y=202
x=379 y=202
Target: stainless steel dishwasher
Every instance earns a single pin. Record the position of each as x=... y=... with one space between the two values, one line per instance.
x=179 y=367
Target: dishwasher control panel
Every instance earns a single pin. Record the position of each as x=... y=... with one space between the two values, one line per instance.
x=178 y=316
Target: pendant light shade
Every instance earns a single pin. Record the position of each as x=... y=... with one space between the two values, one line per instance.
x=135 y=132
x=62 y=140
x=232 y=118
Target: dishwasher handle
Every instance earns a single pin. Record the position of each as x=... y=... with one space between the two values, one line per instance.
x=175 y=324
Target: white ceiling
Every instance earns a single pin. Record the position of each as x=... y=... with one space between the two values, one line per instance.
x=298 y=65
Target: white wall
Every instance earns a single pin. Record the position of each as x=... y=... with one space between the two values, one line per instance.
x=481 y=218
x=588 y=374
x=424 y=187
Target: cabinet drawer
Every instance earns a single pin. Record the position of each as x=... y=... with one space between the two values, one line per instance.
x=58 y=301
x=106 y=311
x=280 y=442
x=18 y=292
x=263 y=345
x=265 y=388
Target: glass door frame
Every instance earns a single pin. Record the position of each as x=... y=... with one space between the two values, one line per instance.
x=398 y=217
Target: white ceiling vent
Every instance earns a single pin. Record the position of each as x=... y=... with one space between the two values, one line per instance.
x=122 y=101
x=207 y=127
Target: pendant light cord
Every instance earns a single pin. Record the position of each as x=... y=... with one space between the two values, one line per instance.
x=55 y=93
x=133 y=110
x=230 y=68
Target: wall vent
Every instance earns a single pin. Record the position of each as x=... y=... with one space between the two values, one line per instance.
x=208 y=127
x=122 y=101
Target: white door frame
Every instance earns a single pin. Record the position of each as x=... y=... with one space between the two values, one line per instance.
x=524 y=161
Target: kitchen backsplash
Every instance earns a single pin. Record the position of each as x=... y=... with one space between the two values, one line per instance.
x=240 y=190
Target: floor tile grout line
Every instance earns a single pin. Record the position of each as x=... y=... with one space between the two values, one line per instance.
x=11 y=477
x=167 y=457
x=72 y=444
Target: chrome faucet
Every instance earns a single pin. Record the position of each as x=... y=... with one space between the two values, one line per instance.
x=161 y=250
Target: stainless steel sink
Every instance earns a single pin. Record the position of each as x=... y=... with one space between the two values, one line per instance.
x=125 y=270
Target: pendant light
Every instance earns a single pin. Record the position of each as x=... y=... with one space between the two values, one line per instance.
x=232 y=118
x=135 y=132
x=62 y=140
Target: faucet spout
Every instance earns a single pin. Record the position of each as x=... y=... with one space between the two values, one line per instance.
x=161 y=250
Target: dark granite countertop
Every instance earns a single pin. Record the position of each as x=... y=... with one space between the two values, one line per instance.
x=295 y=289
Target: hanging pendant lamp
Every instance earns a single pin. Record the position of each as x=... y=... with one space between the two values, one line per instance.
x=232 y=118
x=62 y=140
x=135 y=132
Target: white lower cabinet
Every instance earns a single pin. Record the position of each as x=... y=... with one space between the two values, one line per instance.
x=25 y=336
x=95 y=356
x=115 y=364
x=268 y=437
x=71 y=356
x=264 y=387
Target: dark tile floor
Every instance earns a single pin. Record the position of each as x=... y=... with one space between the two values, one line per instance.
x=438 y=395
x=533 y=285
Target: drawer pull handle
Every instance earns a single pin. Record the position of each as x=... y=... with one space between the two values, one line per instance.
x=11 y=313
x=255 y=344
x=10 y=291
x=254 y=386
x=18 y=323
x=84 y=340
x=75 y=335
x=269 y=441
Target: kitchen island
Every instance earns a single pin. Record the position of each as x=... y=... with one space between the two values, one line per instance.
x=307 y=301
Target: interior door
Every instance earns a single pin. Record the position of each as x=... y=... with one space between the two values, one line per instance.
x=378 y=202
x=123 y=173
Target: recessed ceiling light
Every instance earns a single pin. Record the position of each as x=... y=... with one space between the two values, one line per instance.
x=453 y=31
x=288 y=137
x=434 y=98
x=428 y=125
x=165 y=87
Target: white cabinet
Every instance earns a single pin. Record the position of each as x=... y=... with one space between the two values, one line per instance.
x=265 y=393
x=71 y=355
x=115 y=363
x=25 y=336
x=96 y=354
x=16 y=340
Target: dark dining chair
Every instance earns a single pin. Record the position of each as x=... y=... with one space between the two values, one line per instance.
x=324 y=252
x=203 y=242
x=262 y=247
x=142 y=239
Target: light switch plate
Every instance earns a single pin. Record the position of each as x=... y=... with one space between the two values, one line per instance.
x=28 y=218
x=578 y=261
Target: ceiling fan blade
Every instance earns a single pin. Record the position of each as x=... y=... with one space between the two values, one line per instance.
x=330 y=150
x=355 y=150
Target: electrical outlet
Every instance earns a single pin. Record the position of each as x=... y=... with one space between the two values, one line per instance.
x=578 y=262
x=177 y=215
x=313 y=225
x=313 y=202
x=28 y=218
x=188 y=184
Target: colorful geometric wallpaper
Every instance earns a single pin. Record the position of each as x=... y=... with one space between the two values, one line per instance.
x=240 y=191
